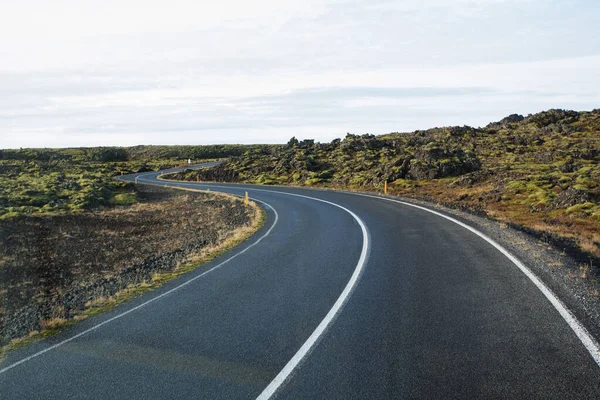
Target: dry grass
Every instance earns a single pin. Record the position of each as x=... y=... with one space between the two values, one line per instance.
x=188 y=264
x=226 y=241
x=590 y=244
x=480 y=197
x=585 y=269
x=53 y=323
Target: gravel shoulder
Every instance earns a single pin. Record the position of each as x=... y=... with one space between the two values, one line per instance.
x=571 y=277
x=571 y=274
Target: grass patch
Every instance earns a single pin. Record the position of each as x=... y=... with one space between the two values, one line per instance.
x=123 y=199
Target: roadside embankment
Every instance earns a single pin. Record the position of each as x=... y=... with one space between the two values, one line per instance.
x=57 y=269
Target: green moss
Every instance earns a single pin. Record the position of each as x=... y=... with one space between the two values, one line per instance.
x=406 y=183
x=540 y=197
x=266 y=180
x=581 y=187
x=586 y=182
x=313 y=181
x=123 y=199
x=10 y=214
x=580 y=207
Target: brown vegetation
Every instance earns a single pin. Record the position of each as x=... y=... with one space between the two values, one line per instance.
x=540 y=172
x=53 y=268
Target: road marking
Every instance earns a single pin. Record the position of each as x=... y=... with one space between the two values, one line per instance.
x=313 y=339
x=582 y=333
x=335 y=310
x=93 y=328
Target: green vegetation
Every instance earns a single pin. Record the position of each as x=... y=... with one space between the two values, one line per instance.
x=541 y=171
x=122 y=199
x=41 y=181
x=62 y=262
x=74 y=242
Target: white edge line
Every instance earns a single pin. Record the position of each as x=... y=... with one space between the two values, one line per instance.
x=93 y=328
x=582 y=333
x=313 y=339
x=335 y=310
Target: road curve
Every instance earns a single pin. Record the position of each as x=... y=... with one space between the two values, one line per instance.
x=425 y=309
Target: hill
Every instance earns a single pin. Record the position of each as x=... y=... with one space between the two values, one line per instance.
x=43 y=181
x=540 y=172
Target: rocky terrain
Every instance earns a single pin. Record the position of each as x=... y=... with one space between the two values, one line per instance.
x=53 y=267
x=43 y=181
x=540 y=172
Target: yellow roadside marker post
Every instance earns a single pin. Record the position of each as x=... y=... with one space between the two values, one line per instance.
x=385 y=187
x=246 y=200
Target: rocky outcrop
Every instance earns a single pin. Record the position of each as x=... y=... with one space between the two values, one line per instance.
x=570 y=197
x=440 y=163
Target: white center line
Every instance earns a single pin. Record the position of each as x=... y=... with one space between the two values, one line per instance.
x=335 y=310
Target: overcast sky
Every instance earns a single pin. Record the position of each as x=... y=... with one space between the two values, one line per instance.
x=126 y=72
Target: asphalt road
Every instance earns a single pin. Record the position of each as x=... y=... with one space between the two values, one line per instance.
x=338 y=296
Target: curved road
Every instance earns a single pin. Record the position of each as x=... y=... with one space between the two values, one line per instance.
x=338 y=296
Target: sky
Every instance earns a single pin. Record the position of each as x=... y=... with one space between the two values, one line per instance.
x=127 y=72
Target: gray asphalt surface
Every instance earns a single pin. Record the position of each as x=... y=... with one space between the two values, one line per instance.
x=437 y=313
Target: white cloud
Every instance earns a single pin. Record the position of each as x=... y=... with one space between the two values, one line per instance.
x=66 y=19
x=108 y=72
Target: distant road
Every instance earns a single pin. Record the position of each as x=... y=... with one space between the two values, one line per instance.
x=338 y=296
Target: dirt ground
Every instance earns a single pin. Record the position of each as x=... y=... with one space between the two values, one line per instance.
x=51 y=267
